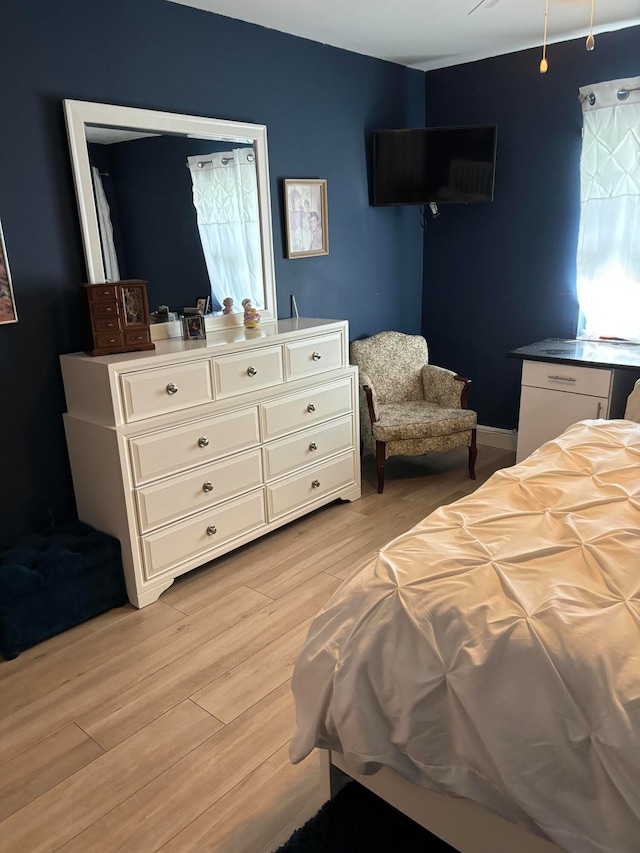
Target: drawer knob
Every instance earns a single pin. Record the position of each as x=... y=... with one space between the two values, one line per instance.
x=251 y=371
x=208 y=486
x=212 y=530
x=316 y=356
x=311 y=407
x=172 y=389
x=315 y=484
x=203 y=441
x=313 y=446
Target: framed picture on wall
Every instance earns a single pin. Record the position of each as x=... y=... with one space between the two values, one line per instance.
x=8 y=313
x=305 y=206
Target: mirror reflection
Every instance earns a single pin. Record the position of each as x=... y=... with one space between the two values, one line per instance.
x=173 y=209
x=179 y=201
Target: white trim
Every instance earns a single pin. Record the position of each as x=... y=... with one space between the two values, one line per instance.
x=506 y=439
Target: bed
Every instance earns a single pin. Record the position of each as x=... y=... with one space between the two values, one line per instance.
x=482 y=673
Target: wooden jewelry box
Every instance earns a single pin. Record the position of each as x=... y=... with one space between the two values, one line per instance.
x=118 y=317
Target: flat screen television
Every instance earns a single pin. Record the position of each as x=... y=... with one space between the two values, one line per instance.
x=433 y=164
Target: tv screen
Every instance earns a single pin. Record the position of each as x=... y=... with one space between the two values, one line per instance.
x=433 y=164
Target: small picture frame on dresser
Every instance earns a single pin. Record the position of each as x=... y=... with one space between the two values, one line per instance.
x=193 y=328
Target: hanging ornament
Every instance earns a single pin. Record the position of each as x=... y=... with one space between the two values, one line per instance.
x=543 y=62
x=591 y=42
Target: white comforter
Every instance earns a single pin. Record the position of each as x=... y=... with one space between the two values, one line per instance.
x=493 y=651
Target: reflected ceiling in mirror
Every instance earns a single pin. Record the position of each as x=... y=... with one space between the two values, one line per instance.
x=179 y=201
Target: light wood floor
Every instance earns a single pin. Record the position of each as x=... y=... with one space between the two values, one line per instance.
x=167 y=728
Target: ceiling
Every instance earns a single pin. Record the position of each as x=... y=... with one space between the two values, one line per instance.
x=428 y=34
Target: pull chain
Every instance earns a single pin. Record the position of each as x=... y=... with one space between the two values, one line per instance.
x=591 y=42
x=543 y=62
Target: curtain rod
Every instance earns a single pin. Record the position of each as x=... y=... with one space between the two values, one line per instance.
x=621 y=94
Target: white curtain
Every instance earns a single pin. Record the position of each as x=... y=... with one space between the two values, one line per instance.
x=608 y=258
x=225 y=195
x=109 y=257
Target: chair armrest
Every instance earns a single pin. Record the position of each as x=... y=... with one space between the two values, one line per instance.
x=368 y=399
x=444 y=387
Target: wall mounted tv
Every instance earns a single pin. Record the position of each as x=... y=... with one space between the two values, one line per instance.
x=433 y=164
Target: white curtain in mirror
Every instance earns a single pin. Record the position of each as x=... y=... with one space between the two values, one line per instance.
x=109 y=257
x=608 y=258
x=225 y=195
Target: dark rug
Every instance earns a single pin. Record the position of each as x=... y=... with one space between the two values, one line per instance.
x=356 y=821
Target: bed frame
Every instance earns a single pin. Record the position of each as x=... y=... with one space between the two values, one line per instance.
x=463 y=824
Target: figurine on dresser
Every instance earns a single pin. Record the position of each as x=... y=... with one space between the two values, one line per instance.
x=251 y=316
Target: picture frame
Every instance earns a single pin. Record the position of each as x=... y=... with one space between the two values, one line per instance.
x=306 y=218
x=203 y=304
x=8 y=312
x=193 y=328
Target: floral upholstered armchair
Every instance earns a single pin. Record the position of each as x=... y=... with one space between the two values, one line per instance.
x=407 y=406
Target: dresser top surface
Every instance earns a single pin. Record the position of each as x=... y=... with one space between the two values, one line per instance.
x=571 y=351
x=227 y=340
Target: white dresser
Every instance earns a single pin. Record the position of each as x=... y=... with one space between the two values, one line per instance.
x=191 y=450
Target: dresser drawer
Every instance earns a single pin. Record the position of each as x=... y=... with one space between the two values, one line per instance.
x=173 y=450
x=100 y=293
x=316 y=482
x=166 y=389
x=101 y=310
x=131 y=338
x=307 y=447
x=248 y=371
x=108 y=339
x=166 y=549
x=204 y=487
x=312 y=356
x=282 y=416
x=107 y=325
x=567 y=377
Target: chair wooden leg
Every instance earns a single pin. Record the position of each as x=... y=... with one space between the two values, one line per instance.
x=380 y=457
x=473 y=452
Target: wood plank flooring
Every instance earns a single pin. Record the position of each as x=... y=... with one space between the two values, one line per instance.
x=167 y=728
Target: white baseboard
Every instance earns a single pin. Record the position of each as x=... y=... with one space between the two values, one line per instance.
x=506 y=439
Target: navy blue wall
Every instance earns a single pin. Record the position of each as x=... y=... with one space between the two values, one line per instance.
x=501 y=275
x=318 y=104
x=495 y=276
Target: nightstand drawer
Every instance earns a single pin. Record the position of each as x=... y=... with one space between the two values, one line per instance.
x=307 y=447
x=174 y=450
x=166 y=389
x=313 y=356
x=204 y=487
x=567 y=377
x=283 y=416
x=248 y=371
x=166 y=549
x=314 y=483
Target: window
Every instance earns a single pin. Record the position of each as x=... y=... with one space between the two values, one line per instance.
x=608 y=257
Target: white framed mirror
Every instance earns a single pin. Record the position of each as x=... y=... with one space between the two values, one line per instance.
x=183 y=202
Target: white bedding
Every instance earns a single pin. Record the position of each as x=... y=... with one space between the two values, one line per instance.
x=493 y=651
